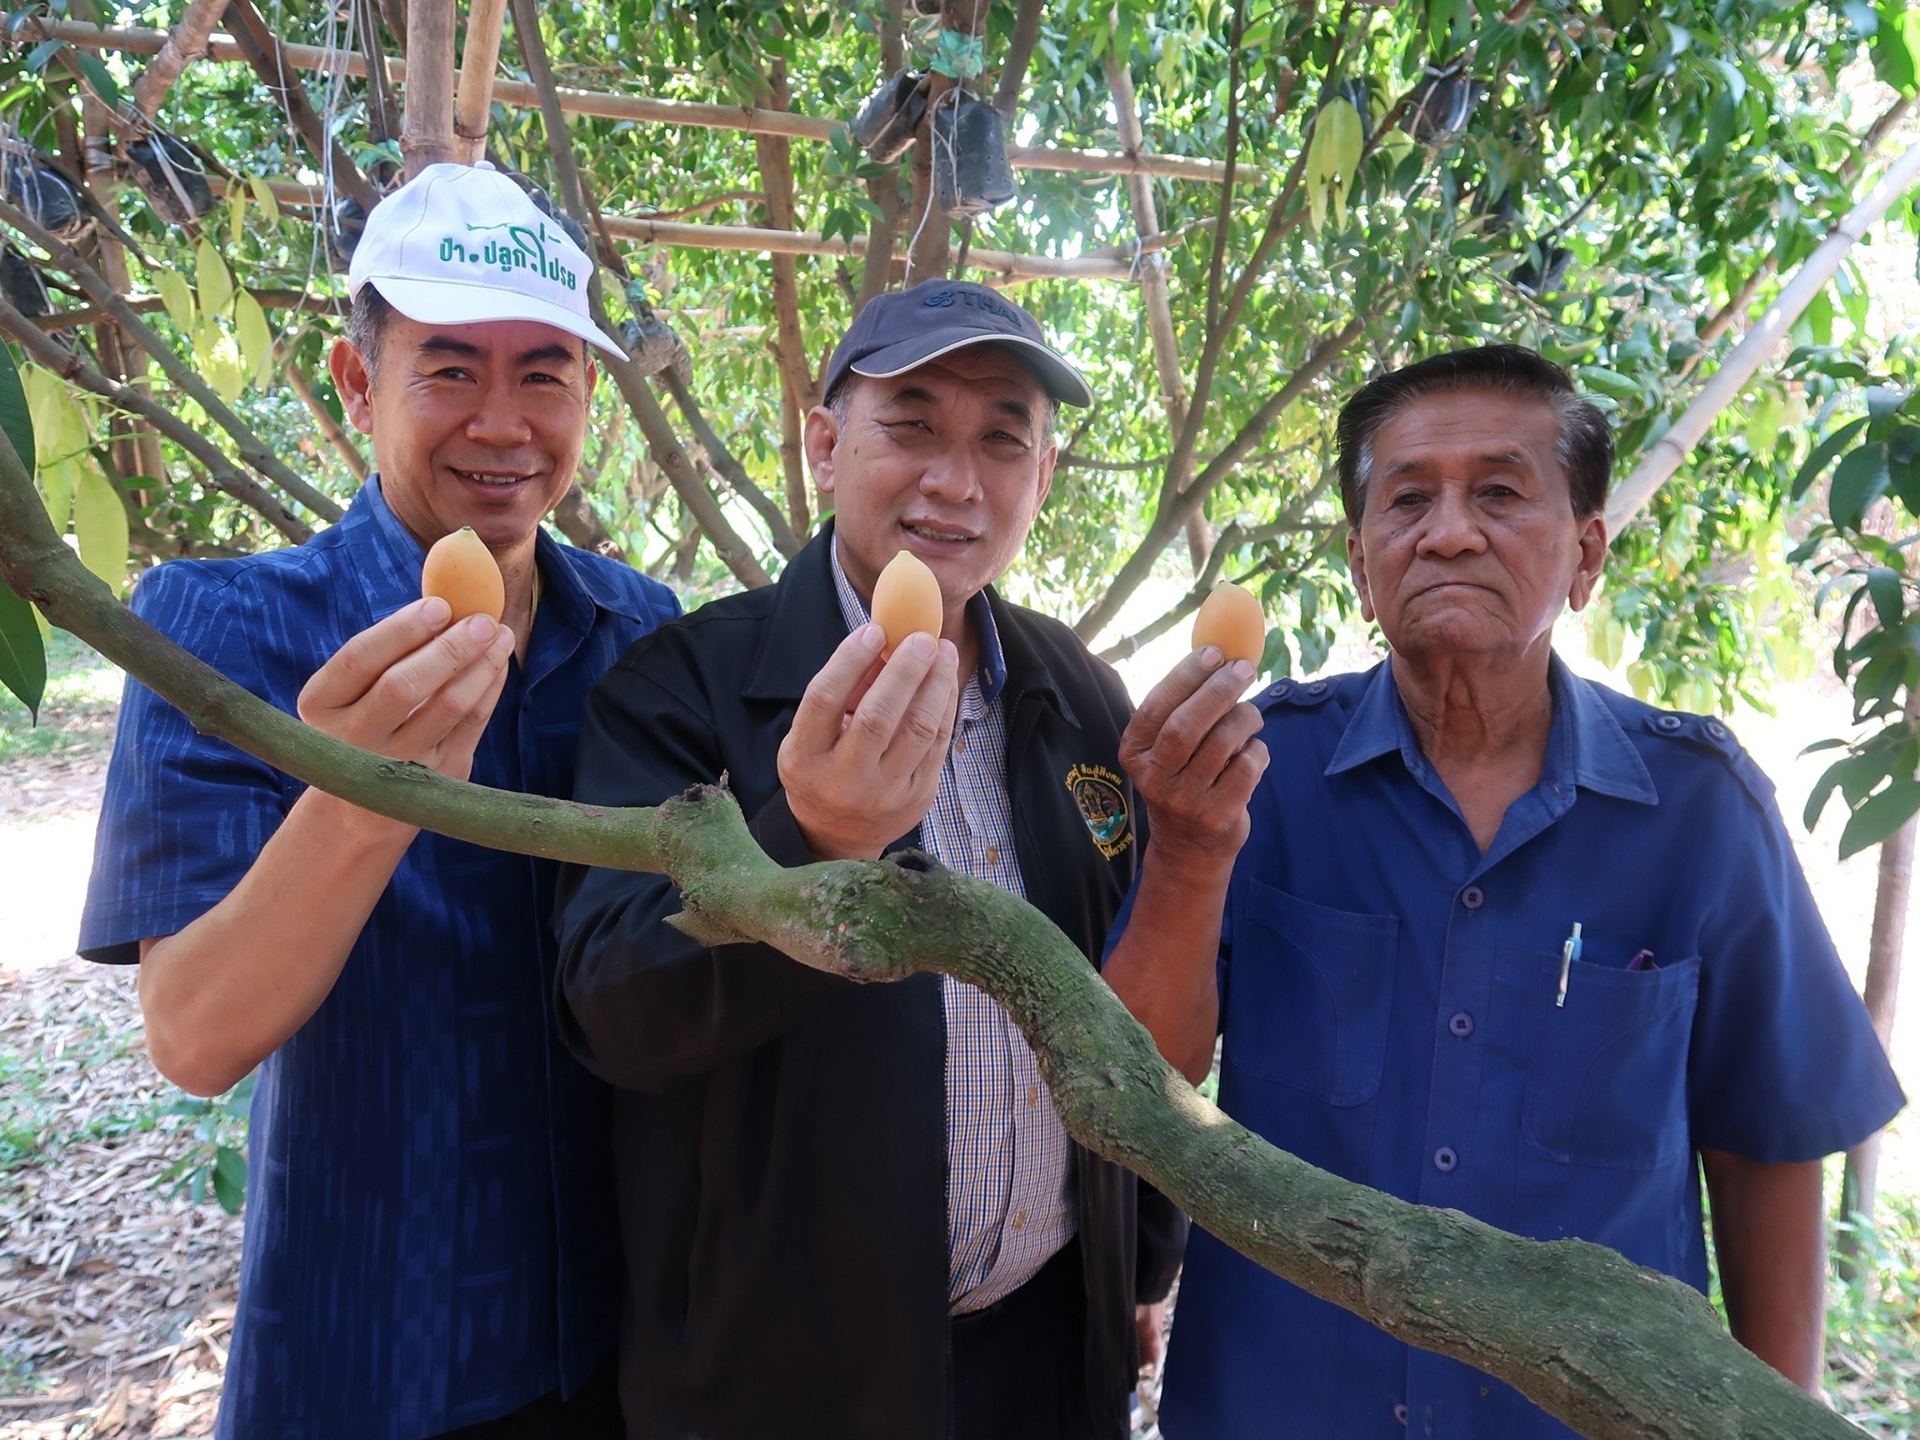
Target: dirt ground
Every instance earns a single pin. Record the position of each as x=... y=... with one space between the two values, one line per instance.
x=117 y=1290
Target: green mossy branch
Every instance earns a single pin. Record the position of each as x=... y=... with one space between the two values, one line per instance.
x=1616 y=1351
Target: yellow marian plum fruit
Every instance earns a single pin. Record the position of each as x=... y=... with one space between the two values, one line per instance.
x=1230 y=620
x=462 y=572
x=906 y=601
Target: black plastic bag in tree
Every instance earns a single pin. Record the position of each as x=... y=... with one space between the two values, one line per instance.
x=44 y=193
x=971 y=174
x=22 y=285
x=349 y=219
x=169 y=175
x=886 y=122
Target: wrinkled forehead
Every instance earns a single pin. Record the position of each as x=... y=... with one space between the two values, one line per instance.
x=1468 y=424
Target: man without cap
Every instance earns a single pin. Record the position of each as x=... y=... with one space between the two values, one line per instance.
x=1483 y=934
x=428 y=1245
x=848 y=1210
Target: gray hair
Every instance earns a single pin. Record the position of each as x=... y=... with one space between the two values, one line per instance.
x=1584 y=447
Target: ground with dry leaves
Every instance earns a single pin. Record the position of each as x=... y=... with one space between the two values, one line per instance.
x=116 y=1290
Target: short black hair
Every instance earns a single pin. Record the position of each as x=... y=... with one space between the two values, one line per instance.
x=1584 y=449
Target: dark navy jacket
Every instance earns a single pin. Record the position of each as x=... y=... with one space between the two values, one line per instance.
x=781 y=1140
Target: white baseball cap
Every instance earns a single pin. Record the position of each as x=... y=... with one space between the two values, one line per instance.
x=463 y=244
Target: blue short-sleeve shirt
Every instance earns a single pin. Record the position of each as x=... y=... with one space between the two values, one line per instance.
x=430 y=1235
x=1388 y=1012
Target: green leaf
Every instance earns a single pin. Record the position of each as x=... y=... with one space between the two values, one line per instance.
x=229 y=1179
x=1896 y=45
x=1823 y=454
x=1888 y=601
x=16 y=417
x=23 y=657
x=263 y=196
x=255 y=338
x=1860 y=479
x=99 y=79
x=177 y=295
x=100 y=526
x=1880 y=816
x=1332 y=156
x=213 y=277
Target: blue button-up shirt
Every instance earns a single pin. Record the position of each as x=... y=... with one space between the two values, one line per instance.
x=1388 y=1007
x=429 y=1236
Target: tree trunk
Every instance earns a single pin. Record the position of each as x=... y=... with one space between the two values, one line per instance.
x=186 y=42
x=1613 y=1350
x=1885 y=951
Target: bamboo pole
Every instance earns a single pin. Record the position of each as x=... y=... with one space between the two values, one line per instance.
x=1000 y=264
x=1657 y=465
x=426 y=124
x=479 y=59
x=745 y=119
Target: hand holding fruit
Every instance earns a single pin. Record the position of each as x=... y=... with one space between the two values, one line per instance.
x=862 y=761
x=419 y=685
x=1193 y=753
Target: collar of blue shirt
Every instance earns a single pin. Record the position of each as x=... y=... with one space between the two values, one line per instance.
x=1585 y=747
x=573 y=591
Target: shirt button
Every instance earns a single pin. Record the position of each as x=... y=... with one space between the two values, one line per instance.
x=1461 y=1024
x=1445 y=1161
x=1716 y=730
x=1473 y=897
x=1400 y=1413
x=1020 y=1221
x=1033 y=1095
x=993 y=854
x=1318 y=687
x=1669 y=722
x=960 y=743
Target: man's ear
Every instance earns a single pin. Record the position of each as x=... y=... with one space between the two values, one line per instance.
x=1357 y=564
x=1593 y=559
x=350 y=378
x=819 y=439
x=1047 y=464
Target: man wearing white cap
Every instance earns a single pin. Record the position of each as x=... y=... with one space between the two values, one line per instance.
x=427 y=1248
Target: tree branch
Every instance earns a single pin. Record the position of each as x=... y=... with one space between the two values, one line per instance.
x=253 y=450
x=730 y=469
x=185 y=43
x=152 y=304
x=43 y=350
x=1614 y=1350
x=262 y=49
x=733 y=551
x=1173 y=511
x=335 y=433
x=1013 y=73
x=426 y=123
x=798 y=389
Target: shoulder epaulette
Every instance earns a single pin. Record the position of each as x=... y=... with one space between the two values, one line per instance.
x=1293 y=692
x=1716 y=737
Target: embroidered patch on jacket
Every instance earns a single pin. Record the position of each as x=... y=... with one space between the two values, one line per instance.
x=1102 y=802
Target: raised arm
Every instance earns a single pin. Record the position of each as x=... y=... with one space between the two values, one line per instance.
x=1193 y=756
x=223 y=993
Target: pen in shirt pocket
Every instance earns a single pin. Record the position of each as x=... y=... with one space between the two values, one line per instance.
x=1569 y=952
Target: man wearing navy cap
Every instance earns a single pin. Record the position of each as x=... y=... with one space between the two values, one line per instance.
x=428 y=1245
x=849 y=1210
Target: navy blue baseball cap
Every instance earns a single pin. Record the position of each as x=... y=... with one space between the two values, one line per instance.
x=900 y=330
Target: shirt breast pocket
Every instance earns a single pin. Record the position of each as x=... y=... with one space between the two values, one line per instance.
x=1607 y=1081
x=1309 y=993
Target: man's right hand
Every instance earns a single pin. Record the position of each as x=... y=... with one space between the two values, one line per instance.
x=413 y=686
x=862 y=761
x=1192 y=754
